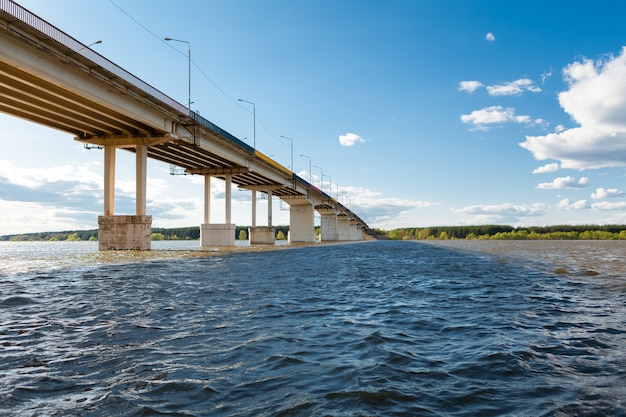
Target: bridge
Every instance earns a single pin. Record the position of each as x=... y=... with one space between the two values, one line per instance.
x=52 y=79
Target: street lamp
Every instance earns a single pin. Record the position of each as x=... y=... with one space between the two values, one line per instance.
x=188 y=70
x=254 y=117
x=290 y=140
x=310 y=173
x=330 y=185
x=321 y=178
x=90 y=45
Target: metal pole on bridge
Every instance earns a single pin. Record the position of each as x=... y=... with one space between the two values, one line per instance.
x=310 y=173
x=254 y=117
x=188 y=71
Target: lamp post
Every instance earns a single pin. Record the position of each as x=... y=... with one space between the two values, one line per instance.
x=90 y=45
x=310 y=173
x=254 y=117
x=188 y=70
x=321 y=178
x=330 y=185
x=290 y=140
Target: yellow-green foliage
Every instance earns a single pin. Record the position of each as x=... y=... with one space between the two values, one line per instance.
x=494 y=232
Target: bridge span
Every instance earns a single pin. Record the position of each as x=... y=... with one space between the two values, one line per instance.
x=50 y=78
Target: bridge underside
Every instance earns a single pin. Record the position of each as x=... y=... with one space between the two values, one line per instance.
x=49 y=78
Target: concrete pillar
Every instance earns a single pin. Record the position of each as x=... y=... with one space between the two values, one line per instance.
x=301 y=220
x=217 y=234
x=343 y=228
x=329 y=225
x=126 y=231
x=269 y=208
x=109 y=180
x=228 y=198
x=141 y=175
x=355 y=231
x=263 y=235
x=207 y=199
x=253 y=208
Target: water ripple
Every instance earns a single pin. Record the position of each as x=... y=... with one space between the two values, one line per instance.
x=374 y=329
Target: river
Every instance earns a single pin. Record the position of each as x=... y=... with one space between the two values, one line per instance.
x=382 y=328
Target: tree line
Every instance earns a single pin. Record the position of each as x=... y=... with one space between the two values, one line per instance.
x=504 y=232
x=158 y=233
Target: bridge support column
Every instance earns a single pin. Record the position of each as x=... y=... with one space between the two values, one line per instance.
x=329 y=225
x=262 y=235
x=212 y=234
x=355 y=231
x=124 y=232
x=301 y=220
x=343 y=228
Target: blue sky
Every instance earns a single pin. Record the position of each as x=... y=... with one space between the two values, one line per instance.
x=419 y=113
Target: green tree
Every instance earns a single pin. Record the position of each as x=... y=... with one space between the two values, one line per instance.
x=74 y=237
x=157 y=236
x=243 y=235
x=280 y=235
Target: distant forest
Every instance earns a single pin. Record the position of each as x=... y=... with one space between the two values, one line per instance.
x=483 y=232
x=158 y=233
x=502 y=232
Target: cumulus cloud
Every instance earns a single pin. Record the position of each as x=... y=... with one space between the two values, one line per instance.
x=546 y=168
x=378 y=210
x=606 y=193
x=609 y=206
x=563 y=183
x=596 y=100
x=350 y=139
x=566 y=204
x=469 y=86
x=513 y=88
x=490 y=37
x=503 y=213
x=494 y=115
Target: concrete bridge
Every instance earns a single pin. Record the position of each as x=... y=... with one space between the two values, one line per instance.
x=50 y=78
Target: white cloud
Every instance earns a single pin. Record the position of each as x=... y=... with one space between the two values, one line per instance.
x=490 y=37
x=380 y=211
x=469 y=86
x=547 y=168
x=493 y=115
x=564 y=182
x=565 y=204
x=606 y=193
x=513 y=88
x=545 y=76
x=38 y=177
x=606 y=206
x=503 y=213
x=596 y=100
x=350 y=139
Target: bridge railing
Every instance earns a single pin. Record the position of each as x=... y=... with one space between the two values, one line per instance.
x=31 y=19
x=215 y=128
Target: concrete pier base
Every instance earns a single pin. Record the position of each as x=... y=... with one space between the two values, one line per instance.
x=329 y=225
x=262 y=235
x=124 y=232
x=217 y=234
x=301 y=227
x=343 y=228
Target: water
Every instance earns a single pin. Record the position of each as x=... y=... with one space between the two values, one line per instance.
x=370 y=329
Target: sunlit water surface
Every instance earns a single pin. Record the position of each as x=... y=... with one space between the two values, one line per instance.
x=385 y=328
